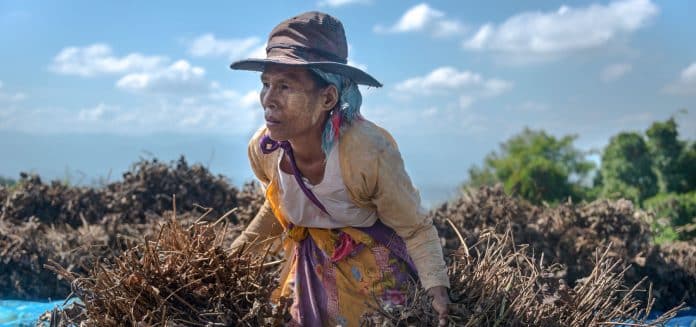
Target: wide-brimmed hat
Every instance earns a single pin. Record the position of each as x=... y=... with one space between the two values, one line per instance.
x=311 y=39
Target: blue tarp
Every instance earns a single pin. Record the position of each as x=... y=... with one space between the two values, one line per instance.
x=684 y=318
x=25 y=313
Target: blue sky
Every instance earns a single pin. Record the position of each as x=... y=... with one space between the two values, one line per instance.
x=87 y=88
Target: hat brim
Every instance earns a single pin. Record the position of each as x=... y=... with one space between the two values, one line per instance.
x=357 y=75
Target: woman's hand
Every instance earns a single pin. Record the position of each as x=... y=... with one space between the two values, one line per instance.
x=440 y=303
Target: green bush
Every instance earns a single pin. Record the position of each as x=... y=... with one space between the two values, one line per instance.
x=6 y=181
x=536 y=166
x=678 y=214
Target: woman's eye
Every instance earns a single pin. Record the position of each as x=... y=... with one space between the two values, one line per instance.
x=284 y=86
x=264 y=84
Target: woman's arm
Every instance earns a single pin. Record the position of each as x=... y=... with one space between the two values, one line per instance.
x=398 y=206
x=264 y=228
x=374 y=174
x=261 y=232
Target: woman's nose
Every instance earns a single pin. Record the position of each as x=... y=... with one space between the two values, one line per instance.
x=268 y=97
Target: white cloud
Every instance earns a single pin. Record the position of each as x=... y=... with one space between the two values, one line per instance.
x=533 y=107
x=427 y=120
x=686 y=84
x=689 y=73
x=465 y=101
x=250 y=99
x=179 y=78
x=231 y=115
x=10 y=97
x=259 y=52
x=467 y=86
x=430 y=112
x=494 y=87
x=351 y=62
x=565 y=30
x=13 y=97
x=341 y=3
x=207 y=45
x=357 y=65
x=615 y=71
x=445 y=80
x=138 y=73
x=424 y=18
x=98 y=59
x=480 y=38
x=636 y=118
x=440 y=79
x=101 y=112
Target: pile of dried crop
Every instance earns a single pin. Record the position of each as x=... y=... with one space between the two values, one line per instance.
x=497 y=283
x=72 y=225
x=182 y=277
x=569 y=234
x=673 y=267
x=185 y=277
x=95 y=239
x=146 y=189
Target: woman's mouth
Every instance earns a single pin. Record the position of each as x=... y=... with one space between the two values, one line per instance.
x=272 y=122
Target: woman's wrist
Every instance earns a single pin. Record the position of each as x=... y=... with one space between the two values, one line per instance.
x=440 y=303
x=437 y=290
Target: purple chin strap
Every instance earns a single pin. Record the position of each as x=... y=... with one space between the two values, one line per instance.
x=269 y=145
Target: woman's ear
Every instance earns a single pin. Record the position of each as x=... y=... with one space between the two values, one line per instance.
x=330 y=97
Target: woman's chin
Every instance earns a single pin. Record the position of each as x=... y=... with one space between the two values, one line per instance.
x=275 y=134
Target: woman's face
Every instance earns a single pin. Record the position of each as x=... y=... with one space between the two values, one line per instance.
x=294 y=105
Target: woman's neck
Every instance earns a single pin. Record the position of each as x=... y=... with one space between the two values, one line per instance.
x=307 y=148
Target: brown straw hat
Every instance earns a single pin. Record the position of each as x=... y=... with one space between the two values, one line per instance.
x=311 y=39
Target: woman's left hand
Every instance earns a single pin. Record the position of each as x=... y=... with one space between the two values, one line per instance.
x=440 y=303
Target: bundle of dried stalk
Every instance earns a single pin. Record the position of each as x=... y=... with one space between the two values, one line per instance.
x=674 y=267
x=184 y=277
x=569 y=234
x=73 y=225
x=496 y=283
x=25 y=247
x=145 y=189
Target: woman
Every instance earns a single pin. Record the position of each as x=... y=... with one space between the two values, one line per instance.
x=336 y=190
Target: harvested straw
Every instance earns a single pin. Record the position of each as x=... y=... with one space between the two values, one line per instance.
x=183 y=277
x=500 y=285
x=569 y=234
x=73 y=225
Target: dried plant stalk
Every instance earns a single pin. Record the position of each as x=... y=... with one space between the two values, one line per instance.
x=499 y=284
x=183 y=277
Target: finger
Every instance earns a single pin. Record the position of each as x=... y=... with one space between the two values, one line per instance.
x=443 y=322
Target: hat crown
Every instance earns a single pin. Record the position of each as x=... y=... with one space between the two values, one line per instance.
x=311 y=36
x=312 y=39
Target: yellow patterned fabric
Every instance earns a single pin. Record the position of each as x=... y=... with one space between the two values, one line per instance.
x=332 y=290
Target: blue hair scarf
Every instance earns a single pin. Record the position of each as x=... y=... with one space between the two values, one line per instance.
x=346 y=111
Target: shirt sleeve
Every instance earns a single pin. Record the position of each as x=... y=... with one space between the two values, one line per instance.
x=264 y=229
x=399 y=207
x=261 y=233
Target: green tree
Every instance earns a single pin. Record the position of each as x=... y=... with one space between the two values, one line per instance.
x=687 y=164
x=627 y=169
x=676 y=215
x=666 y=151
x=6 y=181
x=537 y=166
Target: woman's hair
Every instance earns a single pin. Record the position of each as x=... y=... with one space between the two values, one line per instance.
x=347 y=109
